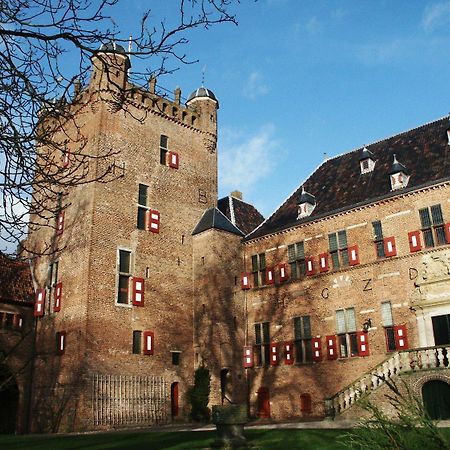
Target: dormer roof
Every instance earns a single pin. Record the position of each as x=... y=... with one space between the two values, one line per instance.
x=306 y=197
x=366 y=154
x=337 y=185
x=397 y=167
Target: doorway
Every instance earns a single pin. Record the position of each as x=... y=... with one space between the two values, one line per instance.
x=263 y=403
x=9 y=401
x=174 y=399
x=441 y=329
x=436 y=399
x=225 y=385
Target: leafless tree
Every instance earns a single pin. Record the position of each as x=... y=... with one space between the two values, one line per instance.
x=38 y=89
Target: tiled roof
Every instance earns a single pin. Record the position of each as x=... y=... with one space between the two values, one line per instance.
x=15 y=281
x=339 y=185
x=243 y=215
x=213 y=218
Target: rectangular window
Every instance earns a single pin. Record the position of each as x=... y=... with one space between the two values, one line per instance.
x=346 y=331
x=52 y=281
x=296 y=259
x=259 y=269
x=378 y=238
x=163 y=149
x=137 y=342
x=302 y=339
x=262 y=343
x=432 y=225
x=338 y=248
x=124 y=274
x=142 y=206
x=175 y=358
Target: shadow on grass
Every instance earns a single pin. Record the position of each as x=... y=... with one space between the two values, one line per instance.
x=259 y=439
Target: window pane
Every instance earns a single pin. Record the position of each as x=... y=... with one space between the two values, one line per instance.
x=308 y=350
x=354 y=351
x=306 y=327
x=332 y=240
x=440 y=235
x=380 y=249
x=258 y=333
x=255 y=279
x=377 y=230
x=425 y=218
x=141 y=218
x=291 y=253
x=340 y=321
x=428 y=238
x=342 y=338
x=124 y=261
x=254 y=263
x=142 y=198
x=163 y=141
x=137 y=342
x=262 y=261
x=176 y=358
x=390 y=339
x=302 y=265
x=300 y=250
x=297 y=328
x=386 y=314
x=441 y=329
x=342 y=237
x=258 y=355
x=299 y=355
x=122 y=295
x=335 y=259
x=436 y=214
x=351 y=319
x=266 y=349
x=344 y=257
x=266 y=334
x=293 y=266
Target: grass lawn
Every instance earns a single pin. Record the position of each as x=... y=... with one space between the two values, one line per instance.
x=274 y=439
x=186 y=440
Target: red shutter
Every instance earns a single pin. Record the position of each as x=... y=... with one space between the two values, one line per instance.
x=173 y=160
x=273 y=354
x=270 y=279
x=58 y=297
x=60 y=225
x=401 y=338
x=288 y=353
x=138 y=291
x=283 y=272
x=447 y=232
x=331 y=347
x=353 y=255
x=152 y=220
x=39 y=303
x=60 y=342
x=389 y=246
x=245 y=280
x=149 y=342
x=66 y=159
x=248 y=357
x=309 y=265
x=414 y=241
x=363 y=343
x=323 y=262
x=316 y=349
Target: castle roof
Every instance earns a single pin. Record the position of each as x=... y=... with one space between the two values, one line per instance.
x=112 y=47
x=243 y=215
x=338 y=185
x=213 y=218
x=202 y=92
x=15 y=281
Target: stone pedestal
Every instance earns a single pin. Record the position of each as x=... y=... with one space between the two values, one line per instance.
x=230 y=421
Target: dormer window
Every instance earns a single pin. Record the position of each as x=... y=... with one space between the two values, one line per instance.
x=398 y=175
x=366 y=161
x=306 y=204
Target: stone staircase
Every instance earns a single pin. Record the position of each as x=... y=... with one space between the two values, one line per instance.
x=413 y=360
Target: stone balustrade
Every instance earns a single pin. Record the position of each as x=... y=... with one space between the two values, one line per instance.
x=400 y=362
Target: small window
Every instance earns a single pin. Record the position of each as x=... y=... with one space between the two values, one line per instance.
x=432 y=225
x=346 y=331
x=302 y=339
x=175 y=358
x=296 y=259
x=338 y=249
x=305 y=403
x=259 y=269
x=137 y=342
x=378 y=239
x=142 y=206
x=52 y=281
x=124 y=274
x=262 y=343
x=163 y=149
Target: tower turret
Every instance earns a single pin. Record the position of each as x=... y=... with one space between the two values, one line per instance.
x=205 y=102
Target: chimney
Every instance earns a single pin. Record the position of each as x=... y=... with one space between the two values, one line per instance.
x=152 y=84
x=177 y=95
x=237 y=194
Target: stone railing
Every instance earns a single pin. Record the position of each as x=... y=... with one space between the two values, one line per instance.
x=413 y=360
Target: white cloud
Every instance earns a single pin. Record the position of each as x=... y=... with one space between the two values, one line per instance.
x=313 y=25
x=436 y=15
x=246 y=159
x=255 y=86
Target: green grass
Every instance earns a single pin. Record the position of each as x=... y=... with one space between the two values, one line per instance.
x=186 y=440
x=274 y=439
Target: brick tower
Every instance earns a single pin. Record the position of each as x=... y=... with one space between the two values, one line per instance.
x=114 y=302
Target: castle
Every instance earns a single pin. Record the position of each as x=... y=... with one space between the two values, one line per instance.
x=344 y=286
